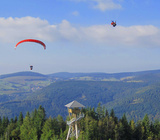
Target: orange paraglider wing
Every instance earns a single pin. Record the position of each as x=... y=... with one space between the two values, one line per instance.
x=31 y=40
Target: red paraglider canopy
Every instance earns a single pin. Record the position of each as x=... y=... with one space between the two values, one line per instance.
x=31 y=40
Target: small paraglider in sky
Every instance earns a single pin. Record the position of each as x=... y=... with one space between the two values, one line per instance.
x=31 y=40
x=31 y=67
x=113 y=23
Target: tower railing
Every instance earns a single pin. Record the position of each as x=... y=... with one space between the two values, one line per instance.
x=75 y=119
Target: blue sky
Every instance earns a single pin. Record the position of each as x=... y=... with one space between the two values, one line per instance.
x=79 y=37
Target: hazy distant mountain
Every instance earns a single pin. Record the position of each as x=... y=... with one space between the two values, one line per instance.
x=25 y=73
x=127 y=76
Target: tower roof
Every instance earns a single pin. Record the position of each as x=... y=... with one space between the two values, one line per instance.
x=74 y=104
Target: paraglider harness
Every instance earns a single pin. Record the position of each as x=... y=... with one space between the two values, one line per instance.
x=31 y=67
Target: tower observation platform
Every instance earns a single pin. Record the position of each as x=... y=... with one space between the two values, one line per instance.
x=75 y=115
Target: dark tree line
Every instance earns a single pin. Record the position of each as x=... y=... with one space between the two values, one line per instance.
x=98 y=124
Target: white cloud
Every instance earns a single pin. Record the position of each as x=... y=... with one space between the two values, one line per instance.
x=102 y=5
x=75 y=13
x=12 y=29
x=15 y=29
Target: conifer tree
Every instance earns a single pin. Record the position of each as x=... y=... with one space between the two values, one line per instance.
x=110 y=128
x=101 y=129
x=156 y=128
x=8 y=133
x=100 y=111
x=27 y=130
x=15 y=119
x=91 y=132
x=5 y=123
x=61 y=123
x=146 y=126
x=48 y=131
x=38 y=120
x=117 y=132
x=20 y=119
x=127 y=129
x=133 y=129
x=112 y=114
x=15 y=134
x=56 y=126
x=139 y=132
x=1 y=127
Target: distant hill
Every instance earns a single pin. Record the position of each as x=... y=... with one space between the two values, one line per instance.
x=94 y=76
x=133 y=93
x=14 y=85
x=127 y=76
x=27 y=73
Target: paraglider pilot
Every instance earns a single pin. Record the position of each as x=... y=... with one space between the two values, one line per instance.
x=31 y=67
x=113 y=23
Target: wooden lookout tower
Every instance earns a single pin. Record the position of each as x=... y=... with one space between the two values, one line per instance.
x=75 y=114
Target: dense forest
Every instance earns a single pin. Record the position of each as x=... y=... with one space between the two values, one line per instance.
x=133 y=98
x=98 y=124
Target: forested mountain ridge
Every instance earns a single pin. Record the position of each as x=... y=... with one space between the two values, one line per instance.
x=132 y=93
x=150 y=75
x=140 y=75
